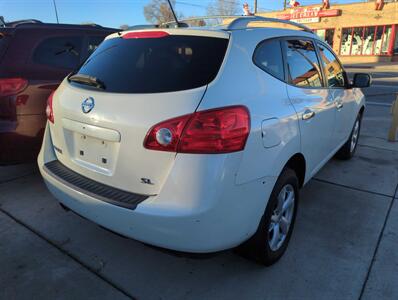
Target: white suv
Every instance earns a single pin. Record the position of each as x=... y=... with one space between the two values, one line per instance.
x=199 y=140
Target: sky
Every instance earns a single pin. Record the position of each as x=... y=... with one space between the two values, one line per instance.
x=113 y=13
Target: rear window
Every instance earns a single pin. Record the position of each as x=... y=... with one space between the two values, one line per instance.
x=156 y=65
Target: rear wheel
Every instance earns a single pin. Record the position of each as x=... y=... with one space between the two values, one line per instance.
x=347 y=151
x=270 y=241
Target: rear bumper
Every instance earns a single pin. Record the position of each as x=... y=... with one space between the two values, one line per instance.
x=20 y=140
x=191 y=218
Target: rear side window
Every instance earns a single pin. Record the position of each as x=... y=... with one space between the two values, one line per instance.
x=93 y=43
x=61 y=52
x=334 y=72
x=302 y=64
x=155 y=65
x=268 y=56
x=3 y=44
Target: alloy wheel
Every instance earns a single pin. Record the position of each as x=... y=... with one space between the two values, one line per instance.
x=354 y=137
x=281 y=217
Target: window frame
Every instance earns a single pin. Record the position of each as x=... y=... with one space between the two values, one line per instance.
x=282 y=57
x=284 y=51
x=383 y=26
x=326 y=45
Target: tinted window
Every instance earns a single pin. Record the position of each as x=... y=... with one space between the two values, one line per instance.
x=155 y=65
x=333 y=70
x=63 y=52
x=3 y=44
x=93 y=43
x=302 y=64
x=268 y=56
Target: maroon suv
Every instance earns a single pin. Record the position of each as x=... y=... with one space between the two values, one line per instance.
x=34 y=58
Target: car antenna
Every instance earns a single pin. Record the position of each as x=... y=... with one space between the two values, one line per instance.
x=174 y=14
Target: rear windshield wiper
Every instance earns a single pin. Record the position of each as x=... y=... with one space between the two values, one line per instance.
x=88 y=80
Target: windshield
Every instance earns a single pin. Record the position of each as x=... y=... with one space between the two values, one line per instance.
x=155 y=65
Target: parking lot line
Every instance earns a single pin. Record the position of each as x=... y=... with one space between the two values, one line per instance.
x=376 y=252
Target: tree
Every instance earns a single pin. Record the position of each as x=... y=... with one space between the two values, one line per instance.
x=223 y=8
x=158 y=11
x=124 y=27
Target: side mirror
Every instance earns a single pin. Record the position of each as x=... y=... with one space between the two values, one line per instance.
x=361 y=80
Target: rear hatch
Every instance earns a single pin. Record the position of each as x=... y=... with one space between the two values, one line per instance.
x=133 y=81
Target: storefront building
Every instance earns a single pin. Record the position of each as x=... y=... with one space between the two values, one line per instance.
x=357 y=32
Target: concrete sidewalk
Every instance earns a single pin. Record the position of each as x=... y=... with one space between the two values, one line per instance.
x=343 y=246
x=380 y=66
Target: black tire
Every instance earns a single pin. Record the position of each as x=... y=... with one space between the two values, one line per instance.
x=346 y=151
x=258 y=246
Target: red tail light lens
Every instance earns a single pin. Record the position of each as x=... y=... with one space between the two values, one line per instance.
x=145 y=35
x=220 y=130
x=166 y=135
x=12 y=86
x=49 y=108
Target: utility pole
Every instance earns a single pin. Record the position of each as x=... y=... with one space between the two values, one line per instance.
x=284 y=4
x=255 y=6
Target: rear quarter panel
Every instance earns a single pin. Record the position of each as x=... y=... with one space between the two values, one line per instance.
x=240 y=82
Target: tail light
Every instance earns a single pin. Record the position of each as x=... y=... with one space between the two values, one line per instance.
x=12 y=86
x=49 y=108
x=220 y=130
x=145 y=35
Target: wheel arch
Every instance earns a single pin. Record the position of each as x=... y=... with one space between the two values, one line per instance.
x=362 y=110
x=298 y=164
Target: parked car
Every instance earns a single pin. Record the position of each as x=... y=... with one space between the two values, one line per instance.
x=34 y=58
x=199 y=140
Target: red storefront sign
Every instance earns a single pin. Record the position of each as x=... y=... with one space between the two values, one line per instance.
x=311 y=12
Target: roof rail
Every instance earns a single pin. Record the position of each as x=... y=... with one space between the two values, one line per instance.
x=22 y=22
x=242 y=22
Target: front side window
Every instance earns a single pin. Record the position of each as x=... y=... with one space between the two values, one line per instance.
x=302 y=64
x=268 y=56
x=333 y=70
x=62 y=52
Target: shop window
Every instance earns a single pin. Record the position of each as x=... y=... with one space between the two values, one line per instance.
x=372 y=40
x=378 y=40
x=326 y=35
x=386 y=39
x=346 y=39
x=357 y=41
x=368 y=40
x=396 y=40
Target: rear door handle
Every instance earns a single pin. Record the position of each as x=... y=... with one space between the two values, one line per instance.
x=339 y=104
x=308 y=114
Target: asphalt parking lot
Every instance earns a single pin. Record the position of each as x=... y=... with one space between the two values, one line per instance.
x=343 y=246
